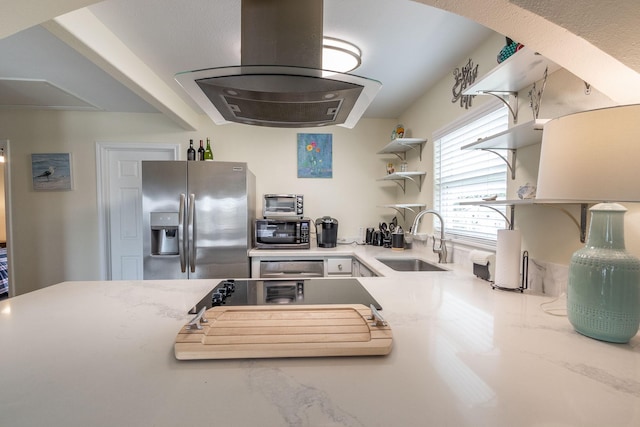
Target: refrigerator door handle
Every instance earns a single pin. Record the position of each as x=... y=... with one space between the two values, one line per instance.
x=181 y=235
x=192 y=233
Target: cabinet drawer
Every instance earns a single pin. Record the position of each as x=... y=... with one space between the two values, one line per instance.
x=339 y=266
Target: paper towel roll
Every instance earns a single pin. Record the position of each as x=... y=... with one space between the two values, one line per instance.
x=508 y=259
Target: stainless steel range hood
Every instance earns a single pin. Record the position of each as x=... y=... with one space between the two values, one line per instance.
x=280 y=82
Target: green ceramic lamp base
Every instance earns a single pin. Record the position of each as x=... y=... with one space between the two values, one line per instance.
x=603 y=293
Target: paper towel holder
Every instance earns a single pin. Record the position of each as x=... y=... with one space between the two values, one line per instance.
x=524 y=280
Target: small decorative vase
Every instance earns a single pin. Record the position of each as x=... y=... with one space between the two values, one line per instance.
x=603 y=292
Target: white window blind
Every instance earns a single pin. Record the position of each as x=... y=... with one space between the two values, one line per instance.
x=470 y=175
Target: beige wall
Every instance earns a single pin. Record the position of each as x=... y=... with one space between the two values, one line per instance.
x=56 y=233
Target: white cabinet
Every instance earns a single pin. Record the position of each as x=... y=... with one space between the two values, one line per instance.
x=285 y=266
x=339 y=266
x=361 y=270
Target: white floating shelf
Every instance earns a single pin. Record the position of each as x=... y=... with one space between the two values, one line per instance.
x=513 y=202
x=518 y=136
x=400 y=145
x=401 y=175
x=402 y=207
x=520 y=70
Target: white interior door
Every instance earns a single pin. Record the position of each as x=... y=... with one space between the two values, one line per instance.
x=122 y=196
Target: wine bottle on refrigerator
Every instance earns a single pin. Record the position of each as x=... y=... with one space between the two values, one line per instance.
x=208 y=154
x=191 y=152
x=201 y=152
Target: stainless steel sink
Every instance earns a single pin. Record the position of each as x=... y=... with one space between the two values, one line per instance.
x=410 y=264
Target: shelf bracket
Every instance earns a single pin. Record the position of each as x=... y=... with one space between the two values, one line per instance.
x=582 y=225
x=418 y=182
x=402 y=185
x=401 y=210
x=403 y=155
x=510 y=164
x=500 y=95
x=510 y=222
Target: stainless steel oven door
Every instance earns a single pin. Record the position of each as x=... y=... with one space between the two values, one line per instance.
x=292 y=268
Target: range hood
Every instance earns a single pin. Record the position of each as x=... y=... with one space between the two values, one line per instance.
x=280 y=82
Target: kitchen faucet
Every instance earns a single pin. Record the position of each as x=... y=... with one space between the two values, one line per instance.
x=442 y=249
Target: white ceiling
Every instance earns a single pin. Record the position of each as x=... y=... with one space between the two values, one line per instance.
x=406 y=45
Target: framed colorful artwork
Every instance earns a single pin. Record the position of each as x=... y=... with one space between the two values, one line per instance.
x=51 y=172
x=315 y=155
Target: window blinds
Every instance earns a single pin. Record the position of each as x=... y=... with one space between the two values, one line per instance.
x=470 y=175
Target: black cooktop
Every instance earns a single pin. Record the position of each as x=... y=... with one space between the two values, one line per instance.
x=289 y=291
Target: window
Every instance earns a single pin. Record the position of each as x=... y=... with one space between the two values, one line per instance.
x=470 y=175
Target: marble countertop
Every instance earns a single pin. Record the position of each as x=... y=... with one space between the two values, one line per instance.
x=101 y=354
x=367 y=254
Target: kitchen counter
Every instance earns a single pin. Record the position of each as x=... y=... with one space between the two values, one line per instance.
x=101 y=354
x=366 y=254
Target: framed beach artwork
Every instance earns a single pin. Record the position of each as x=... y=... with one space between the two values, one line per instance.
x=51 y=172
x=315 y=155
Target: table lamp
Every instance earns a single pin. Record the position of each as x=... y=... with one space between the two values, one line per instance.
x=593 y=156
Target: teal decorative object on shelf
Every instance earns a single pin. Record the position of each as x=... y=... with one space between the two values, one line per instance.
x=603 y=293
x=508 y=50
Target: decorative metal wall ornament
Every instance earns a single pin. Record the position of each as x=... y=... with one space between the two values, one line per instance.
x=464 y=77
x=535 y=97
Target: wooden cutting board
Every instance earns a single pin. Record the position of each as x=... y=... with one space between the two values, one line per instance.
x=284 y=331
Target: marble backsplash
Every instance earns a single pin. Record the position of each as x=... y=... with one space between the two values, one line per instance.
x=544 y=278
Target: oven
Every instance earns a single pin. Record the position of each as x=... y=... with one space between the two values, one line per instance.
x=283 y=205
x=282 y=233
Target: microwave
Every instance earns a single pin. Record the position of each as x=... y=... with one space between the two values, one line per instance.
x=283 y=205
x=282 y=233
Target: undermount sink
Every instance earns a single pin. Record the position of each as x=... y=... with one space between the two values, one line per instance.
x=410 y=264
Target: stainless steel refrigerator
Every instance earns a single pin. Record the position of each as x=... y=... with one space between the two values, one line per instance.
x=197 y=219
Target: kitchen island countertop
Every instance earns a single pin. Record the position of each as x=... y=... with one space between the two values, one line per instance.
x=101 y=354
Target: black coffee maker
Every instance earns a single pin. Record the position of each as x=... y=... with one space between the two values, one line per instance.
x=327 y=232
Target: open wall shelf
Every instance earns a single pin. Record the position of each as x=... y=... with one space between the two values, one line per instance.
x=520 y=70
x=400 y=146
x=401 y=208
x=581 y=224
x=400 y=178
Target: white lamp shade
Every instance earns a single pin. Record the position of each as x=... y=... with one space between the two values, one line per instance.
x=591 y=156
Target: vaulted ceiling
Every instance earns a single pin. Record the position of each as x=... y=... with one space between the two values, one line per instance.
x=119 y=55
